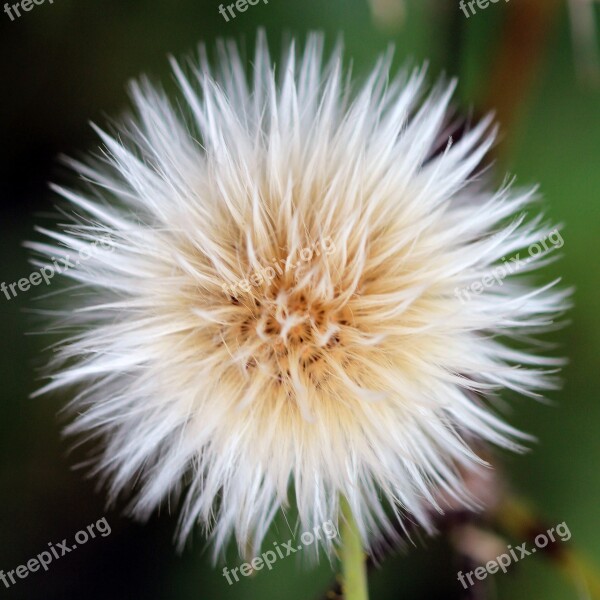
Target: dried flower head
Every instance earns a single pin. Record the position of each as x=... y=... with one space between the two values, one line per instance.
x=276 y=307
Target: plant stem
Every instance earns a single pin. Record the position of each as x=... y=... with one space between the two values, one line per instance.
x=352 y=555
x=517 y=519
x=518 y=58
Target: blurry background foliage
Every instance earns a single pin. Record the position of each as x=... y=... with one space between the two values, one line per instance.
x=64 y=64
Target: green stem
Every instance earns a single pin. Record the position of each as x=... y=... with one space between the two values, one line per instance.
x=352 y=555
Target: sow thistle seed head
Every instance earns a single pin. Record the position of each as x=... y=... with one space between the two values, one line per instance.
x=354 y=371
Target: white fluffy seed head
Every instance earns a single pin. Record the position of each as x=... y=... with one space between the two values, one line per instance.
x=352 y=367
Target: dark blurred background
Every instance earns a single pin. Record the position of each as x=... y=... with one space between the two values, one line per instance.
x=66 y=63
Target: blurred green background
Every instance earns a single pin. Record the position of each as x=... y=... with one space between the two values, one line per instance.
x=66 y=63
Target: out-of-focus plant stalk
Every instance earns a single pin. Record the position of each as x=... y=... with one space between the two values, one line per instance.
x=585 y=41
x=518 y=57
x=519 y=521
